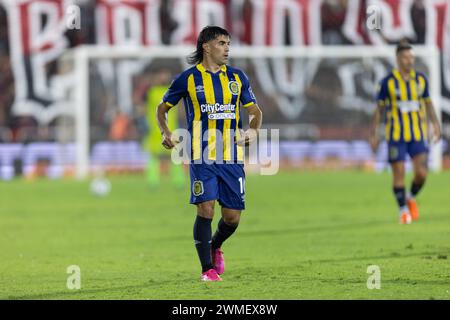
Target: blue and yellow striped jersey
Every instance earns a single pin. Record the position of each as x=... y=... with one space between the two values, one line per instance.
x=212 y=102
x=405 y=106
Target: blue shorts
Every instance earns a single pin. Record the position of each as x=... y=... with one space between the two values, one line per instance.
x=397 y=150
x=222 y=182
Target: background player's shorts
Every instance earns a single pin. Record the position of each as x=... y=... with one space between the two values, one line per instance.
x=397 y=150
x=222 y=182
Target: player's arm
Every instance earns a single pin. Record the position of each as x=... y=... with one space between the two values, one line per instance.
x=374 y=138
x=176 y=91
x=431 y=114
x=249 y=103
x=255 y=118
x=161 y=117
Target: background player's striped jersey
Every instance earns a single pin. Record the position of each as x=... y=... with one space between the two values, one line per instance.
x=405 y=106
x=213 y=101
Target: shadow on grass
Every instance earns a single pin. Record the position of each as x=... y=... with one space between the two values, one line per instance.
x=391 y=255
x=84 y=293
x=289 y=231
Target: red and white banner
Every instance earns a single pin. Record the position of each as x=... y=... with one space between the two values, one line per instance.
x=38 y=33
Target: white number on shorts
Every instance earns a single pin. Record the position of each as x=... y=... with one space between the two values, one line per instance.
x=242 y=183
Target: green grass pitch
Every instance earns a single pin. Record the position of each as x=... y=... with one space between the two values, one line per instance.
x=303 y=236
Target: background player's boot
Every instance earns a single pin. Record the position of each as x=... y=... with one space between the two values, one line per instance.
x=405 y=217
x=413 y=208
x=210 y=275
x=218 y=260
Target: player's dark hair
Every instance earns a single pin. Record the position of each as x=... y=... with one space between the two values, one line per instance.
x=402 y=46
x=207 y=34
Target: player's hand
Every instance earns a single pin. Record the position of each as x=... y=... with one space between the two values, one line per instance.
x=436 y=133
x=247 y=137
x=374 y=142
x=168 y=142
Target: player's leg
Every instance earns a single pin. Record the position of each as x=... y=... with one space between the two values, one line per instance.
x=231 y=198
x=152 y=144
x=398 y=181
x=153 y=171
x=203 y=238
x=204 y=191
x=203 y=233
x=177 y=174
x=420 y=166
x=225 y=228
x=419 y=154
x=397 y=155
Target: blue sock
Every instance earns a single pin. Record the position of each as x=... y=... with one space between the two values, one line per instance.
x=223 y=232
x=202 y=238
x=400 y=195
x=415 y=188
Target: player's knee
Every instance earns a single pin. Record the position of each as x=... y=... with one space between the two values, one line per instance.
x=205 y=210
x=398 y=181
x=207 y=213
x=399 y=175
x=232 y=220
x=420 y=175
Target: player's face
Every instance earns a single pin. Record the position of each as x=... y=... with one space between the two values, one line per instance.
x=405 y=60
x=219 y=49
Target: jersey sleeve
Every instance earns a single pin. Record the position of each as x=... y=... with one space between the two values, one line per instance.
x=176 y=91
x=247 y=96
x=382 y=92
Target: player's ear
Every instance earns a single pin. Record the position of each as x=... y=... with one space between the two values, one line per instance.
x=206 y=47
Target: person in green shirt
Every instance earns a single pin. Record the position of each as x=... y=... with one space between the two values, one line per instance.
x=152 y=141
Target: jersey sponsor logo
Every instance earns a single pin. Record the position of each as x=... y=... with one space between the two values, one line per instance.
x=211 y=108
x=199 y=88
x=221 y=116
x=233 y=86
x=197 y=188
x=408 y=106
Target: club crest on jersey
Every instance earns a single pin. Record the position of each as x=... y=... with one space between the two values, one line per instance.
x=197 y=188
x=233 y=86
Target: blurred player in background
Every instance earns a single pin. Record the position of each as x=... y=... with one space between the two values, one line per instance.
x=152 y=142
x=213 y=93
x=404 y=96
x=120 y=126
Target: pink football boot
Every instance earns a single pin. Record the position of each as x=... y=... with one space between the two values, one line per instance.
x=218 y=260
x=210 y=275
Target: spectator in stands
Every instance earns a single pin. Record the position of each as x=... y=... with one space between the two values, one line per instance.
x=418 y=17
x=333 y=14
